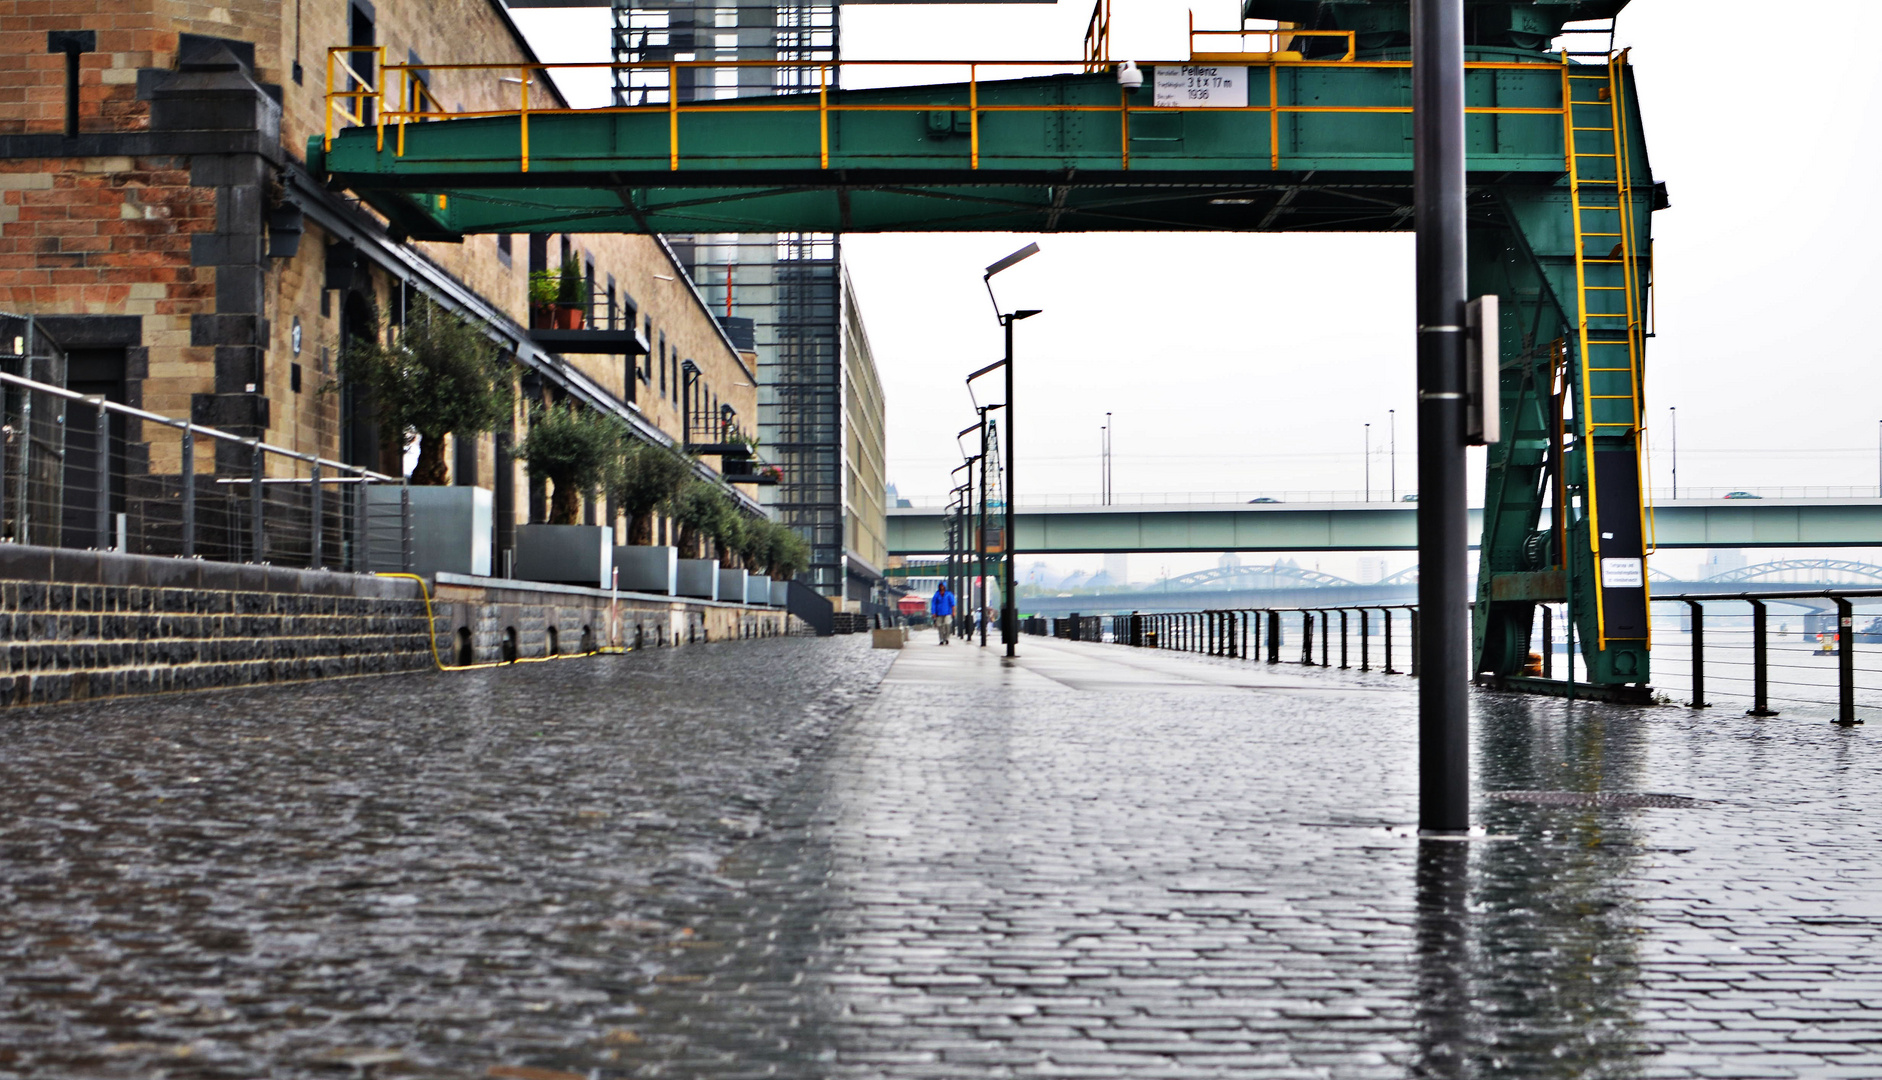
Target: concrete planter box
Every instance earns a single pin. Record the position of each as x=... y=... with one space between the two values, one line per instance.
x=758 y=590
x=699 y=578
x=648 y=569
x=450 y=526
x=732 y=585
x=780 y=594
x=565 y=554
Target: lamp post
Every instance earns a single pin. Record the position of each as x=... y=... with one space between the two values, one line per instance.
x=1009 y=601
x=1368 y=456
x=1391 y=416
x=1672 y=415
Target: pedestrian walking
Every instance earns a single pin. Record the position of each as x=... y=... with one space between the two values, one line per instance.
x=942 y=607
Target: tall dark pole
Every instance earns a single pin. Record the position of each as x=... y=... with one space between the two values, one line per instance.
x=980 y=566
x=1443 y=521
x=1009 y=603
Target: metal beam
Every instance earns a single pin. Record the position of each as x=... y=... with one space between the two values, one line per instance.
x=1693 y=523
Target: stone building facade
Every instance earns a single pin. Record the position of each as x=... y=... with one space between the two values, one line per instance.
x=161 y=225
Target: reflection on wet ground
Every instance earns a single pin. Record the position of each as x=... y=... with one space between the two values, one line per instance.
x=760 y=859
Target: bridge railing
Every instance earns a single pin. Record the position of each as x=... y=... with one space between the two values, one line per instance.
x=79 y=471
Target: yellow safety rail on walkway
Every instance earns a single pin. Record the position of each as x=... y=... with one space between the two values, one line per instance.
x=397 y=104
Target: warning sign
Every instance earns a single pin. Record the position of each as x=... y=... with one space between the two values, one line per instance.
x=1623 y=573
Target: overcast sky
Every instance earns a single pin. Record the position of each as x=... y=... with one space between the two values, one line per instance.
x=1252 y=362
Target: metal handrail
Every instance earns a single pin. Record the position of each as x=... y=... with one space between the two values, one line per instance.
x=192 y=427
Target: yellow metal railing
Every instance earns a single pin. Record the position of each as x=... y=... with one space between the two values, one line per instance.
x=1098 y=37
x=403 y=106
x=1281 y=41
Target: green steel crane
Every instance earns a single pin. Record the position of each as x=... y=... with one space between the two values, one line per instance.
x=1309 y=132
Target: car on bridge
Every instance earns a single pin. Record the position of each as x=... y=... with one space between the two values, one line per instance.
x=1742 y=495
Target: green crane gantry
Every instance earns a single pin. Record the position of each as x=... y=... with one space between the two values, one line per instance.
x=1310 y=132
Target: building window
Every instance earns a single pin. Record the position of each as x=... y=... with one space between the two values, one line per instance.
x=503 y=249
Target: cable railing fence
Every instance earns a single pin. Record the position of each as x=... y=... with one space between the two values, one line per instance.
x=78 y=471
x=1810 y=654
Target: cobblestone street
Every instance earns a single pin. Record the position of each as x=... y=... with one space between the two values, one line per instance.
x=790 y=858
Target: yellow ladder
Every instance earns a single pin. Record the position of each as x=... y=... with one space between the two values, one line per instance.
x=1608 y=327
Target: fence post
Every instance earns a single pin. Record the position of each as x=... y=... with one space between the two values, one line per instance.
x=1274 y=636
x=1306 y=637
x=405 y=529
x=1326 y=629
x=1760 y=683
x=1343 y=664
x=1412 y=614
x=313 y=534
x=102 y=427
x=257 y=527
x=1845 y=664
x=188 y=480
x=1247 y=617
x=1698 y=655
x=1387 y=612
x=1365 y=640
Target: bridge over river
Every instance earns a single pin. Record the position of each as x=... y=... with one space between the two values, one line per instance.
x=1281 y=586
x=1212 y=527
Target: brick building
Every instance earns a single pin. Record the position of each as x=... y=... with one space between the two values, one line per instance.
x=160 y=225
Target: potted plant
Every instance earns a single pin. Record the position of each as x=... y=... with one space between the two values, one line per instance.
x=544 y=286
x=439 y=376
x=648 y=478
x=699 y=509
x=571 y=301
x=576 y=451
x=790 y=556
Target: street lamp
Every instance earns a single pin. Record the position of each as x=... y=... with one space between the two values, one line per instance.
x=1391 y=416
x=1672 y=416
x=1368 y=462
x=1009 y=600
x=980 y=533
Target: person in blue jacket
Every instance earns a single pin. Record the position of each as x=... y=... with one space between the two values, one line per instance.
x=942 y=607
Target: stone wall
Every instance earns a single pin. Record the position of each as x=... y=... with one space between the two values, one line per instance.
x=88 y=624
x=77 y=625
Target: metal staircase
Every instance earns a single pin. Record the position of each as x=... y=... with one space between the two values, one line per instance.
x=1607 y=278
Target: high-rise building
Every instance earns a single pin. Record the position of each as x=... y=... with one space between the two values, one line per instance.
x=821 y=410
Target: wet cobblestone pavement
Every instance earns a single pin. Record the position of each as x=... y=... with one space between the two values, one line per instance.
x=766 y=859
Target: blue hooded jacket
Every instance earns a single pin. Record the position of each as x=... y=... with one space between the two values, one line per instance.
x=943 y=603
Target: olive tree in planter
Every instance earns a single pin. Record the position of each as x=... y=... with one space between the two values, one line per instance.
x=648 y=479
x=577 y=451
x=789 y=557
x=700 y=509
x=441 y=375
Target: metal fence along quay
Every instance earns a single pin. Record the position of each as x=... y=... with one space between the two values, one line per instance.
x=1810 y=653
x=78 y=471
